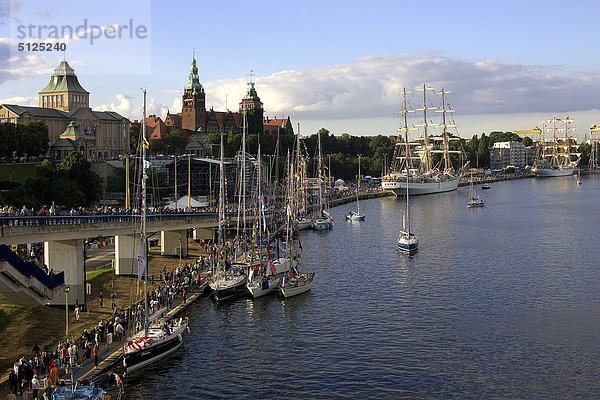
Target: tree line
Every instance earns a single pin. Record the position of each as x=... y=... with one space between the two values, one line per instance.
x=70 y=183
x=23 y=140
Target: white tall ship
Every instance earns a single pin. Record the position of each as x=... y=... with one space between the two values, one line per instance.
x=429 y=170
x=558 y=156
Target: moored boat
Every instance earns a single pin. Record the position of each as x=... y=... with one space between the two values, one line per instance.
x=557 y=149
x=163 y=336
x=428 y=176
x=297 y=284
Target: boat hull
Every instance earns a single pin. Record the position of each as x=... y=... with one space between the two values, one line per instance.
x=355 y=217
x=416 y=188
x=289 y=290
x=258 y=289
x=137 y=360
x=323 y=224
x=228 y=290
x=551 y=172
x=304 y=224
x=408 y=243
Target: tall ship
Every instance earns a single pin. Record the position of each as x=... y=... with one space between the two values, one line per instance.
x=557 y=149
x=429 y=170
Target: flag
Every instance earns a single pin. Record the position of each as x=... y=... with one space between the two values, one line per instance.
x=142 y=259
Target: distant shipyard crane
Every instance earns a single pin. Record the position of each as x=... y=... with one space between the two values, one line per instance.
x=534 y=131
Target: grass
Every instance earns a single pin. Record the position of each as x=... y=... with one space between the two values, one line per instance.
x=97 y=273
x=17 y=172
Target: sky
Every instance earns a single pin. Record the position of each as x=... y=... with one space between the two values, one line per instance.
x=336 y=64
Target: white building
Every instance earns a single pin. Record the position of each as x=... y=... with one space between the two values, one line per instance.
x=505 y=154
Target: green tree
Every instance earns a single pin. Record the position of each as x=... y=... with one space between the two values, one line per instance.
x=78 y=170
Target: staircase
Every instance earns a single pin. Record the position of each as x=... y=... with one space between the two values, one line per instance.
x=25 y=283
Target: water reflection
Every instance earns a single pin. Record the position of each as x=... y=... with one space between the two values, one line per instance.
x=497 y=303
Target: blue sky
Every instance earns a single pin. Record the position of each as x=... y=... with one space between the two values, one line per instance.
x=333 y=64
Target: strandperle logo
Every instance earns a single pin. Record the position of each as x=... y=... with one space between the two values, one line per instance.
x=84 y=31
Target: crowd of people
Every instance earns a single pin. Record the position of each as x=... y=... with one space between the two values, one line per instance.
x=37 y=376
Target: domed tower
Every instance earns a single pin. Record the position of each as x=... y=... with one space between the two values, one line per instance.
x=193 y=112
x=64 y=92
x=253 y=108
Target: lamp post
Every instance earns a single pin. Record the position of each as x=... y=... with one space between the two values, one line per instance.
x=85 y=242
x=67 y=311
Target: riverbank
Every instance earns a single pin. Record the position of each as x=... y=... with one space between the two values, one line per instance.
x=479 y=180
x=23 y=327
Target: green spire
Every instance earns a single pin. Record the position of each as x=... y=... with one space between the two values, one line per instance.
x=194 y=80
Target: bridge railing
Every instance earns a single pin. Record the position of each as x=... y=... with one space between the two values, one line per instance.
x=34 y=220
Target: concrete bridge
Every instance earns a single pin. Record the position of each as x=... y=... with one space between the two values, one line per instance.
x=64 y=237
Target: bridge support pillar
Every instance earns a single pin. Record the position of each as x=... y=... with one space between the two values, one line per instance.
x=127 y=250
x=172 y=241
x=204 y=233
x=67 y=255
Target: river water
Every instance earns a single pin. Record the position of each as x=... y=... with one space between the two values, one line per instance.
x=501 y=301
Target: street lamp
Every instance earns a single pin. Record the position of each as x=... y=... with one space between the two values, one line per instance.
x=85 y=242
x=179 y=252
x=67 y=311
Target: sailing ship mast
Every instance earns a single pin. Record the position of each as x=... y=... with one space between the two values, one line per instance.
x=358 y=187
x=143 y=239
x=408 y=159
x=426 y=154
x=220 y=237
x=320 y=175
x=445 y=127
x=241 y=237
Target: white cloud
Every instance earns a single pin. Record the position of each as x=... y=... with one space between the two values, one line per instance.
x=371 y=87
x=15 y=65
x=20 y=100
x=133 y=109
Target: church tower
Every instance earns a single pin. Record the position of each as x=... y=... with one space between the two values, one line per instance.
x=193 y=113
x=253 y=108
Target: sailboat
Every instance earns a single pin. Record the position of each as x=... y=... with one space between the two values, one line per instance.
x=304 y=217
x=428 y=177
x=555 y=157
x=293 y=282
x=159 y=337
x=262 y=278
x=356 y=215
x=324 y=220
x=407 y=241
x=229 y=280
x=474 y=199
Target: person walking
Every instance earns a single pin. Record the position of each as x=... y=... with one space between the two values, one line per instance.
x=35 y=387
x=48 y=388
x=113 y=300
x=76 y=313
x=13 y=381
x=96 y=353
x=101 y=299
x=53 y=376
